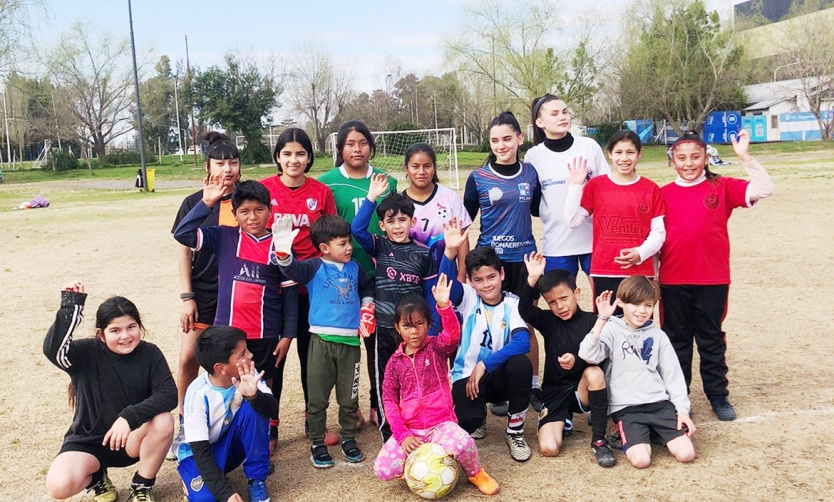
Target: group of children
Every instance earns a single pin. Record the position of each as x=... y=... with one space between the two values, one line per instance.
x=346 y=258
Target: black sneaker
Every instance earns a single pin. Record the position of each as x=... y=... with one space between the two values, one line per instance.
x=320 y=457
x=723 y=409
x=536 y=399
x=604 y=455
x=352 y=451
x=614 y=440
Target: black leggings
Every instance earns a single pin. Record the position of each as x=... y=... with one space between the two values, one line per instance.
x=302 y=343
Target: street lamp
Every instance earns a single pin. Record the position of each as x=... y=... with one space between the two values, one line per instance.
x=177 y=108
x=138 y=107
x=783 y=66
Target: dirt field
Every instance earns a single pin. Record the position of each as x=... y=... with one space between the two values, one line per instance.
x=779 y=329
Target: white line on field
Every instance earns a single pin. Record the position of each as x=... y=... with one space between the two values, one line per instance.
x=770 y=415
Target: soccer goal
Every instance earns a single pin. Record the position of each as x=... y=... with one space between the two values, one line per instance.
x=391 y=147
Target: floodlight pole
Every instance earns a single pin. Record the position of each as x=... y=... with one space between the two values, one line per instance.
x=177 y=108
x=6 y=121
x=191 y=101
x=138 y=106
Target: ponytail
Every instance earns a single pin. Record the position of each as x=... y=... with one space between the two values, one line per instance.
x=508 y=119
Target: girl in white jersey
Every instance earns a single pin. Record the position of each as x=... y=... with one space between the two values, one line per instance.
x=554 y=150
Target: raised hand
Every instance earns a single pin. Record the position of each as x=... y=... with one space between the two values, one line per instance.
x=283 y=235
x=213 y=189
x=379 y=185
x=535 y=264
x=441 y=291
x=247 y=383
x=578 y=170
x=604 y=306
x=454 y=235
x=117 y=435
x=74 y=286
x=741 y=145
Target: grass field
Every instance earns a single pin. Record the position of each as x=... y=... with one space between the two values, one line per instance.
x=779 y=329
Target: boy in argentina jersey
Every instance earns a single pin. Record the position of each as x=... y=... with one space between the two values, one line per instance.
x=250 y=292
x=403 y=267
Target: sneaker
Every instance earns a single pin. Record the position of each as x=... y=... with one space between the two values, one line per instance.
x=141 y=493
x=567 y=430
x=723 y=409
x=352 y=451
x=484 y=482
x=518 y=447
x=480 y=432
x=614 y=439
x=604 y=455
x=320 y=457
x=104 y=491
x=536 y=399
x=499 y=409
x=257 y=491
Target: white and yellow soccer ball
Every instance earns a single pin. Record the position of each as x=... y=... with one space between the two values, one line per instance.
x=431 y=472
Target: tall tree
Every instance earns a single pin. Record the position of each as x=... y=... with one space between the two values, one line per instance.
x=680 y=64
x=94 y=68
x=808 y=56
x=15 y=26
x=239 y=98
x=318 y=89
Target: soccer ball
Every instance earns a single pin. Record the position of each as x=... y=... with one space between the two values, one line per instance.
x=431 y=472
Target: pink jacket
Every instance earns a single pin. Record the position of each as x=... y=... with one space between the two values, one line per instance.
x=416 y=392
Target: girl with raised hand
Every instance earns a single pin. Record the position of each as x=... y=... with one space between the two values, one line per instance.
x=122 y=391
x=416 y=395
x=554 y=149
x=306 y=199
x=434 y=204
x=627 y=211
x=695 y=258
x=198 y=269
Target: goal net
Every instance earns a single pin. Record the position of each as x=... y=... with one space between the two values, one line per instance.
x=391 y=147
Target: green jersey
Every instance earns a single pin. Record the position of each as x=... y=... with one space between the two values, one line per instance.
x=349 y=193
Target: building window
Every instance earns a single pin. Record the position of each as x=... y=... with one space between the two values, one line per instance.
x=774 y=121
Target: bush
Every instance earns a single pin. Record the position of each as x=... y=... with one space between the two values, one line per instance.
x=63 y=161
x=123 y=157
x=257 y=154
x=605 y=130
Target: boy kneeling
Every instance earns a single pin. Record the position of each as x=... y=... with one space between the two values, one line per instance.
x=646 y=388
x=226 y=414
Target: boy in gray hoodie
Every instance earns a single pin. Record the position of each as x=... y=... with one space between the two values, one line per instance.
x=646 y=388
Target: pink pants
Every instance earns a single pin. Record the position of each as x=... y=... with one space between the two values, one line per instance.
x=390 y=461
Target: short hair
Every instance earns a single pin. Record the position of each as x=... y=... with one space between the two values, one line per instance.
x=535 y=111
x=624 y=135
x=250 y=190
x=508 y=119
x=216 y=344
x=483 y=256
x=327 y=228
x=293 y=135
x=410 y=305
x=638 y=289
x=342 y=134
x=428 y=150
x=219 y=147
x=554 y=279
x=395 y=203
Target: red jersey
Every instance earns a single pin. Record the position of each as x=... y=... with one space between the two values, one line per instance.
x=305 y=204
x=622 y=219
x=697 y=247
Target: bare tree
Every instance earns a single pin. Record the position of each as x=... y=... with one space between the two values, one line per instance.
x=93 y=67
x=317 y=88
x=16 y=18
x=808 y=56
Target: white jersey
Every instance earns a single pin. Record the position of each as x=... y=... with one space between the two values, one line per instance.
x=552 y=169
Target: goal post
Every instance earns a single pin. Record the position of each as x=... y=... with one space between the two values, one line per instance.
x=391 y=147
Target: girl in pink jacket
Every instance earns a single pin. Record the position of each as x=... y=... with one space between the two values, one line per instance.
x=416 y=393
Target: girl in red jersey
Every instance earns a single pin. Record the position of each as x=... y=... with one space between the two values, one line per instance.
x=305 y=199
x=695 y=258
x=198 y=269
x=627 y=212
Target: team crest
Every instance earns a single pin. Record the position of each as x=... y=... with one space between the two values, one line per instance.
x=312 y=204
x=523 y=190
x=197 y=484
x=711 y=201
x=643 y=208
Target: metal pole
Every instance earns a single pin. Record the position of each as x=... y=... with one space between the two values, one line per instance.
x=190 y=102
x=177 y=107
x=8 y=142
x=138 y=106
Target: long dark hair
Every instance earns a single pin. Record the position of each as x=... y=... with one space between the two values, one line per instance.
x=342 y=134
x=110 y=309
x=412 y=305
x=422 y=148
x=220 y=147
x=504 y=118
x=293 y=135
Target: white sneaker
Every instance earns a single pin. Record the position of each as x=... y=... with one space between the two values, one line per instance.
x=480 y=432
x=518 y=447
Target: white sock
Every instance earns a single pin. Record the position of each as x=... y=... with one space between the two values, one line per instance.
x=535 y=381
